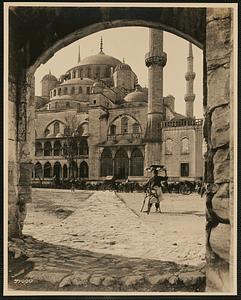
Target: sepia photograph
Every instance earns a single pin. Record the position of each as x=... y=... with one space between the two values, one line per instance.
x=120 y=148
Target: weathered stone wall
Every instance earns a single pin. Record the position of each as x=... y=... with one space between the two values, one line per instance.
x=217 y=134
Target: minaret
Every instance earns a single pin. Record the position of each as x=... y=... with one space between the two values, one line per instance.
x=155 y=60
x=101 y=46
x=190 y=76
x=78 y=54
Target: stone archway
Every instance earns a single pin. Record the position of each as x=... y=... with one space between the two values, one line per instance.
x=210 y=29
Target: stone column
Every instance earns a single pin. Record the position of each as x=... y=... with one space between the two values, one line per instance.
x=189 y=76
x=155 y=61
x=217 y=134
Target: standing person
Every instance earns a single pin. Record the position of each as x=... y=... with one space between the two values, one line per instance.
x=72 y=182
x=154 y=185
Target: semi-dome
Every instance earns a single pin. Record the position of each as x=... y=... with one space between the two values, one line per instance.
x=40 y=102
x=49 y=77
x=136 y=96
x=100 y=59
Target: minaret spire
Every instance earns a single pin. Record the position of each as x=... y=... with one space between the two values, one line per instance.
x=190 y=76
x=78 y=54
x=101 y=45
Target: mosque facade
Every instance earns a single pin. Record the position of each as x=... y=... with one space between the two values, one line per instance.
x=96 y=121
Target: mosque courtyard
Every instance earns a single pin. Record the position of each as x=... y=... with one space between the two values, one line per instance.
x=83 y=228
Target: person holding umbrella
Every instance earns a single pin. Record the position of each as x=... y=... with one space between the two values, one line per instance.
x=154 y=187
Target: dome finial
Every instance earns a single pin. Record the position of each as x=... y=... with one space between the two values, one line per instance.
x=49 y=72
x=78 y=54
x=123 y=60
x=101 y=45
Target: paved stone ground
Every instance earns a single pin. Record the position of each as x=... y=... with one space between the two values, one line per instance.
x=100 y=241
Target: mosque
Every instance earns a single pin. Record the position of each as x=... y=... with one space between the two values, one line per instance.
x=115 y=126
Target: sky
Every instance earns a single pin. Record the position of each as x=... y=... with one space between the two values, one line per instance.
x=132 y=43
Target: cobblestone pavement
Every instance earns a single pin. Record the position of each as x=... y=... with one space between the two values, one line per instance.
x=100 y=241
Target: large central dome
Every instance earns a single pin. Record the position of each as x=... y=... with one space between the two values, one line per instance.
x=100 y=59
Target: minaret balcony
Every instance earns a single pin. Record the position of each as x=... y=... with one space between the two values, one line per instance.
x=190 y=76
x=189 y=97
x=156 y=57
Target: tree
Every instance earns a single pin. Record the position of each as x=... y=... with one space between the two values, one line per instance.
x=73 y=136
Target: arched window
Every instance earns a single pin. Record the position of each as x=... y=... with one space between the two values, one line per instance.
x=97 y=74
x=81 y=73
x=72 y=91
x=80 y=90
x=57 y=170
x=46 y=132
x=121 y=163
x=67 y=105
x=38 y=170
x=65 y=150
x=112 y=129
x=73 y=169
x=135 y=128
x=88 y=90
x=65 y=91
x=106 y=163
x=57 y=148
x=74 y=148
x=78 y=106
x=107 y=72
x=74 y=74
x=185 y=146
x=47 y=149
x=83 y=147
x=56 y=104
x=124 y=125
x=56 y=128
x=65 y=171
x=38 y=149
x=54 y=93
x=168 y=146
x=137 y=163
x=88 y=72
x=59 y=92
x=47 y=170
x=84 y=170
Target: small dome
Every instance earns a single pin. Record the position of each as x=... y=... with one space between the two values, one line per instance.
x=59 y=135
x=123 y=66
x=49 y=77
x=98 y=84
x=136 y=96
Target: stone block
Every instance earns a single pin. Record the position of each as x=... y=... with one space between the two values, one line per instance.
x=218 y=37
x=218 y=278
x=108 y=281
x=158 y=279
x=220 y=241
x=133 y=280
x=221 y=163
x=191 y=278
x=51 y=277
x=217 y=13
x=96 y=280
x=220 y=131
x=218 y=87
x=220 y=201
